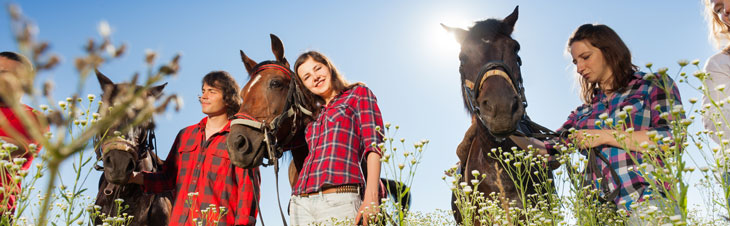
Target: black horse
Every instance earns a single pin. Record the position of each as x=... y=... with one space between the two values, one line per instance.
x=126 y=148
x=493 y=94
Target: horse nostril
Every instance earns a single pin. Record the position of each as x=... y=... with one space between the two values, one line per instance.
x=130 y=166
x=515 y=104
x=238 y=142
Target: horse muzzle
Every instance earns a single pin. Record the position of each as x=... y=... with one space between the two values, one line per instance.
x=246 y=148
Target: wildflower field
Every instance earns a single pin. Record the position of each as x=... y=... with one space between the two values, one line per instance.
x=692 y=163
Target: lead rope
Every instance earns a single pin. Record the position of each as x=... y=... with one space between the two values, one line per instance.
x=256 y=194
x=272 y=156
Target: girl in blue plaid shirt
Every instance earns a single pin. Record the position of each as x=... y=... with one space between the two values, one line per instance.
x=613 y=88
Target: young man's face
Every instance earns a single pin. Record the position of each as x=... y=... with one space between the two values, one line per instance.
x=212 y=101
x=9 y=70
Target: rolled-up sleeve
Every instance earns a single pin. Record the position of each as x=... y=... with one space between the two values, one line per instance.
x=369 y=117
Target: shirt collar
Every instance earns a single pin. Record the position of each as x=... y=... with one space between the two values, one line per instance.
x=204 y=121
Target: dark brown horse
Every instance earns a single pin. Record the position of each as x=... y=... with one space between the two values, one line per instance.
x=129 y=149
x=493 y=94
x=276 y=108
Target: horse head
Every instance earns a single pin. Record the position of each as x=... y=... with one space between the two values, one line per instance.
x=270 y=108
x=490 y=74
x=126 y=142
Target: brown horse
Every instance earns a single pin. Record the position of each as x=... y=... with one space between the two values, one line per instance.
x=276 y=108
x=492 y=92
x=273 y=101
x=130 y=150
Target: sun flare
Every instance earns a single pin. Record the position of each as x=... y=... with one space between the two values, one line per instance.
x=443 y=41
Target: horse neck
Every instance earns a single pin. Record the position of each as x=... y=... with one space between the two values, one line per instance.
x=490 y=141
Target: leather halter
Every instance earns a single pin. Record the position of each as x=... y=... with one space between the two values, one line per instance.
x=149 y=143
x=490 y=73
x=119 y=144
x=525 y=126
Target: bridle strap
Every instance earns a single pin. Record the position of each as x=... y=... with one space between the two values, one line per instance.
x=286 y=71
x=490 y=73
x=119 y=144
x=247 y=120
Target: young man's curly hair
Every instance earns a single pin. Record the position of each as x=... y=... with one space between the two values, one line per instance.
x=225 y=82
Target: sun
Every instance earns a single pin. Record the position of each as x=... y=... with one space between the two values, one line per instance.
x=442 y=41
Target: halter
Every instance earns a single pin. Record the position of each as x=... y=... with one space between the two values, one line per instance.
x=292 y=109
x=149 y=143
x=525 y=127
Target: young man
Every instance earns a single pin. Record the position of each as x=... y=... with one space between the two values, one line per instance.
x=198 y=167
x=14 y=68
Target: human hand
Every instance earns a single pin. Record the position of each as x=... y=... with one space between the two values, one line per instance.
x=136 y=178
x=369 y=208
x=588 y=138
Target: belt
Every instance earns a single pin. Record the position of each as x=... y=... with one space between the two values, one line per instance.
x=348 y=188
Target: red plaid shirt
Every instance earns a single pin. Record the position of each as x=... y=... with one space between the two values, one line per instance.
x=15 y=123
x=203 y=167
x=339 y=139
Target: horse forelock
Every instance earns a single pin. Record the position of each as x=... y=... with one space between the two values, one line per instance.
x=489 y=28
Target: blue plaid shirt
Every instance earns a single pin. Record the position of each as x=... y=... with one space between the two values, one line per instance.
x=648 y=100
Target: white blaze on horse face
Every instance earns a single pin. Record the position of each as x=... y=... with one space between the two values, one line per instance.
x=255 y=79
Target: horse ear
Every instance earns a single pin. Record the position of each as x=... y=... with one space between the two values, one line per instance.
x=459 y=34
x=511 y=19
x=248 y=62
x=278 y=48
x=156 y=91
x=103 y=80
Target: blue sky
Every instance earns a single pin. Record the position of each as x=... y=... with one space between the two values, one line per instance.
x=396 y=47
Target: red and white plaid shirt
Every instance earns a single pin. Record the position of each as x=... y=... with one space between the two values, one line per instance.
x=14 y=122
x=339 y=139
x=203 y=167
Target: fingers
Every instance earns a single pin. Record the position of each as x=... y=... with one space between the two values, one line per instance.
x=359 y=216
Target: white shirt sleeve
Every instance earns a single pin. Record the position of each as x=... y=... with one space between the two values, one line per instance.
x=718 y=67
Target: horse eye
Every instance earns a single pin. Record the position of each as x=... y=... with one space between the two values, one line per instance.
x=275 y=84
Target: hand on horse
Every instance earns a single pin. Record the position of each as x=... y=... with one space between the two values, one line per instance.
x=369 y=208
x=136 y=178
